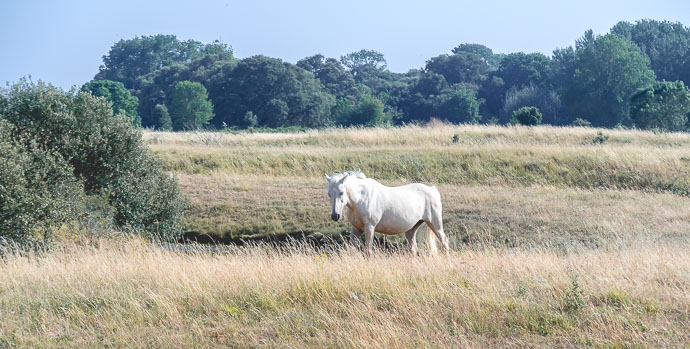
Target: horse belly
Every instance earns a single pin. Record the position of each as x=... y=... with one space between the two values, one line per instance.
x=391 y=225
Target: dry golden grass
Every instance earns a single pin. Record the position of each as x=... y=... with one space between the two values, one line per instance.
x=135 y=294
x=474 y=216
x=559 y=241
x=434 y=134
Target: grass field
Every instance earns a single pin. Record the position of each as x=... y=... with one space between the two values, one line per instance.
x=562 y=237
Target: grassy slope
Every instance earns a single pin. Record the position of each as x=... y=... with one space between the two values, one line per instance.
x=508 y=185
x=603 y=236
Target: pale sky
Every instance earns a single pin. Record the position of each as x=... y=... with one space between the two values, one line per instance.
x=62 y=42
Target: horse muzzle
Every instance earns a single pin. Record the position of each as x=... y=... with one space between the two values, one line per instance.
x=335 y=216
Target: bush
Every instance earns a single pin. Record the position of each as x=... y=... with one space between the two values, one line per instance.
x=104 y=152
x=38 y=191
x=529 y=116
x=581 y=122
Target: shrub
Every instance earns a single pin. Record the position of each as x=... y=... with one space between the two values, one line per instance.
x=104 y=152
x=529 y=116
x=38 y=191
x=581 y=122
x=600 y=138
x=574 y=297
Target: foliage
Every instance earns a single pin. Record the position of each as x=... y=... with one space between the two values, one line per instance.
x=104 y=152
x=521 y=69
x=487 y=55
x=156 y=88
x=516 y=70
x=547 y=101
x=460 y=107
x=276 y=92
x=332 y=74
x=609 y=70
x=133 y=58
x=115 y=93
x=368 y=111
x=363 y=58
x=600 y=138
x=664 y=106
x=38 y=191
x=574 y=297
x=581 y=122
x=593 y=79
x=190 y=108
x=460 y=67
x=529 y=116
x=666 y=44
x=161 y=114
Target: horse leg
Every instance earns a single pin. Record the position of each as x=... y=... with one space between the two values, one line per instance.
x=436 y=225
x=355 y=235
x=411 y=236
x=369 y=238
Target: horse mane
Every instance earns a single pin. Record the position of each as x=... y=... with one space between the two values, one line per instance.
x=359 y=174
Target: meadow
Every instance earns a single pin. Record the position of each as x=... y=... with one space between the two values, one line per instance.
x=562 y=237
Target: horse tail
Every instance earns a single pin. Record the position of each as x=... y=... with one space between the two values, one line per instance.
x=431 y=236
x=431 y=241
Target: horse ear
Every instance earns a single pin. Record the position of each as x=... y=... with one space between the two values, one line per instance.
x=344 y=177
x=328 y=178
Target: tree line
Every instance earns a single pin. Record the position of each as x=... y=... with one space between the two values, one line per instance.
x=636 y=75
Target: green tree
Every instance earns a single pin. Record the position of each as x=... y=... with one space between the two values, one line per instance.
x=190 y=108
x=460 y=67
x=275 y=92
x=664 y=106
x=156 y=88
x=163 y=116
x=133 y=58
x=522 y=69
x=515 y=71
x=364 y=58
x=609 y=70
x=332 y=74
x=460 y=107
x=487 y=55
x=666 y=44
x=115 y=93
x=547 y=101
x=562 y=69
x=369 y=111
x=529 y=116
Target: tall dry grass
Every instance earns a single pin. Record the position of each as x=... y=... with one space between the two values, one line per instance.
x=560 y=240
x=136 y=294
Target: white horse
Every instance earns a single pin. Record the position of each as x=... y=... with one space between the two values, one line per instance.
x=373 y=206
